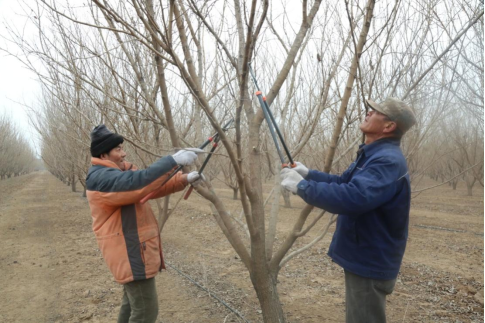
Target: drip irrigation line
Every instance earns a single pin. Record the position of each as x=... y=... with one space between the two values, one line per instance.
x=208 y=291
x=446 y=229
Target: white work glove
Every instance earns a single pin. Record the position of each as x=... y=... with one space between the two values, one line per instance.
x=290 y=179
x=195 y=178
x=187 y=156
x=301 y=169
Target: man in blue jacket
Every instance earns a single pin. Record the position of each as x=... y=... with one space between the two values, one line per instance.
x=372 y=199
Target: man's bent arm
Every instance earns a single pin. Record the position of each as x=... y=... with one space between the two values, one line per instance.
x=369 y=189
x=117 y=188
x=321 y=177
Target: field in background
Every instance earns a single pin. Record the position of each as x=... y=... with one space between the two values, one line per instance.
x=52 y=270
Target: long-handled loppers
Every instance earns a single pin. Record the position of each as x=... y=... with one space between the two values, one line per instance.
x=215 y=139
x=214 y=147
x=272 y=124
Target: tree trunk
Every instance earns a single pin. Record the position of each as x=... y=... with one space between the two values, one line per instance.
x=213 y=209
x=73 y=184
x=265 y=284
x=286 y=198
x=268 y=297
x=84 y=192
x=349 y=86
x=470 y=182
x=234 y=193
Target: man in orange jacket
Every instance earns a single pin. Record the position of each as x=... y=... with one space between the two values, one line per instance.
x=126 y=230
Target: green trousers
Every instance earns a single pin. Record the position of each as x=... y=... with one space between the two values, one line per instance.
x=140 y=302
x=365 y=298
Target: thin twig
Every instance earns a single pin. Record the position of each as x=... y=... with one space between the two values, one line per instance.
x=428 y=188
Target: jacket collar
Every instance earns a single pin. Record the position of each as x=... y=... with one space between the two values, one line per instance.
x=372 y=148
x=108 y=163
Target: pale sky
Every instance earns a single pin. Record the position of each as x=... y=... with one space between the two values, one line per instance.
x=18 y=86
x=19 y=89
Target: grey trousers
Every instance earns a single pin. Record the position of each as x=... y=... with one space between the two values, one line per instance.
x=140 y=302
x=365 y=298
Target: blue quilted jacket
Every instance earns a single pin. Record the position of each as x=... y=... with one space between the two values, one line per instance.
x=372 y=199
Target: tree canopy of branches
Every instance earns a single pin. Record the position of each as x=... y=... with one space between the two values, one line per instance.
x=168 y=74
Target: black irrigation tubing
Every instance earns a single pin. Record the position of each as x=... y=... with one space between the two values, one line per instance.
x=208 y=291
x=446 y=229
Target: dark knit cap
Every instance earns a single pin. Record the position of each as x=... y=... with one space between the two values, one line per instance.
x=103 y=140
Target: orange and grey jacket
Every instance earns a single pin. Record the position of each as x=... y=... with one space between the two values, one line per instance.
x=126 y=230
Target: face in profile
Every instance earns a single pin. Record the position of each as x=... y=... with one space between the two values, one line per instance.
x=116 y=155
x=375 y=123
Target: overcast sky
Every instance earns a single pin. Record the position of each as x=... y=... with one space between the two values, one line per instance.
x=18 y=86
x=19 y=89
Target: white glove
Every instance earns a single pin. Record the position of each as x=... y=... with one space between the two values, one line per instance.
x=187 y=157
x=195 y=178
x=290 y=179
x=301 y=169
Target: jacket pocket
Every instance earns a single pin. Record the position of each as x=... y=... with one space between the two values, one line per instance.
x=150 y=248
x=143 y=248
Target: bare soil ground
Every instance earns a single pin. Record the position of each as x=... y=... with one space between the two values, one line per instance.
x=52 y=271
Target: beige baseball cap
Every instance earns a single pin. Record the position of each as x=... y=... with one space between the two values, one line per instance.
x=397 y=111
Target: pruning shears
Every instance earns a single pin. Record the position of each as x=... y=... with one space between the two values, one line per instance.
x=215 y=139
x=268 y=115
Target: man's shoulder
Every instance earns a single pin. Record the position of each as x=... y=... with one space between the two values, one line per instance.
x=98 y=174
x=389 y=148
x=390 y=156
x=100 y=169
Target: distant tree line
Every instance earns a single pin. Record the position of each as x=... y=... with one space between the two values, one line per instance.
x=16 y=155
